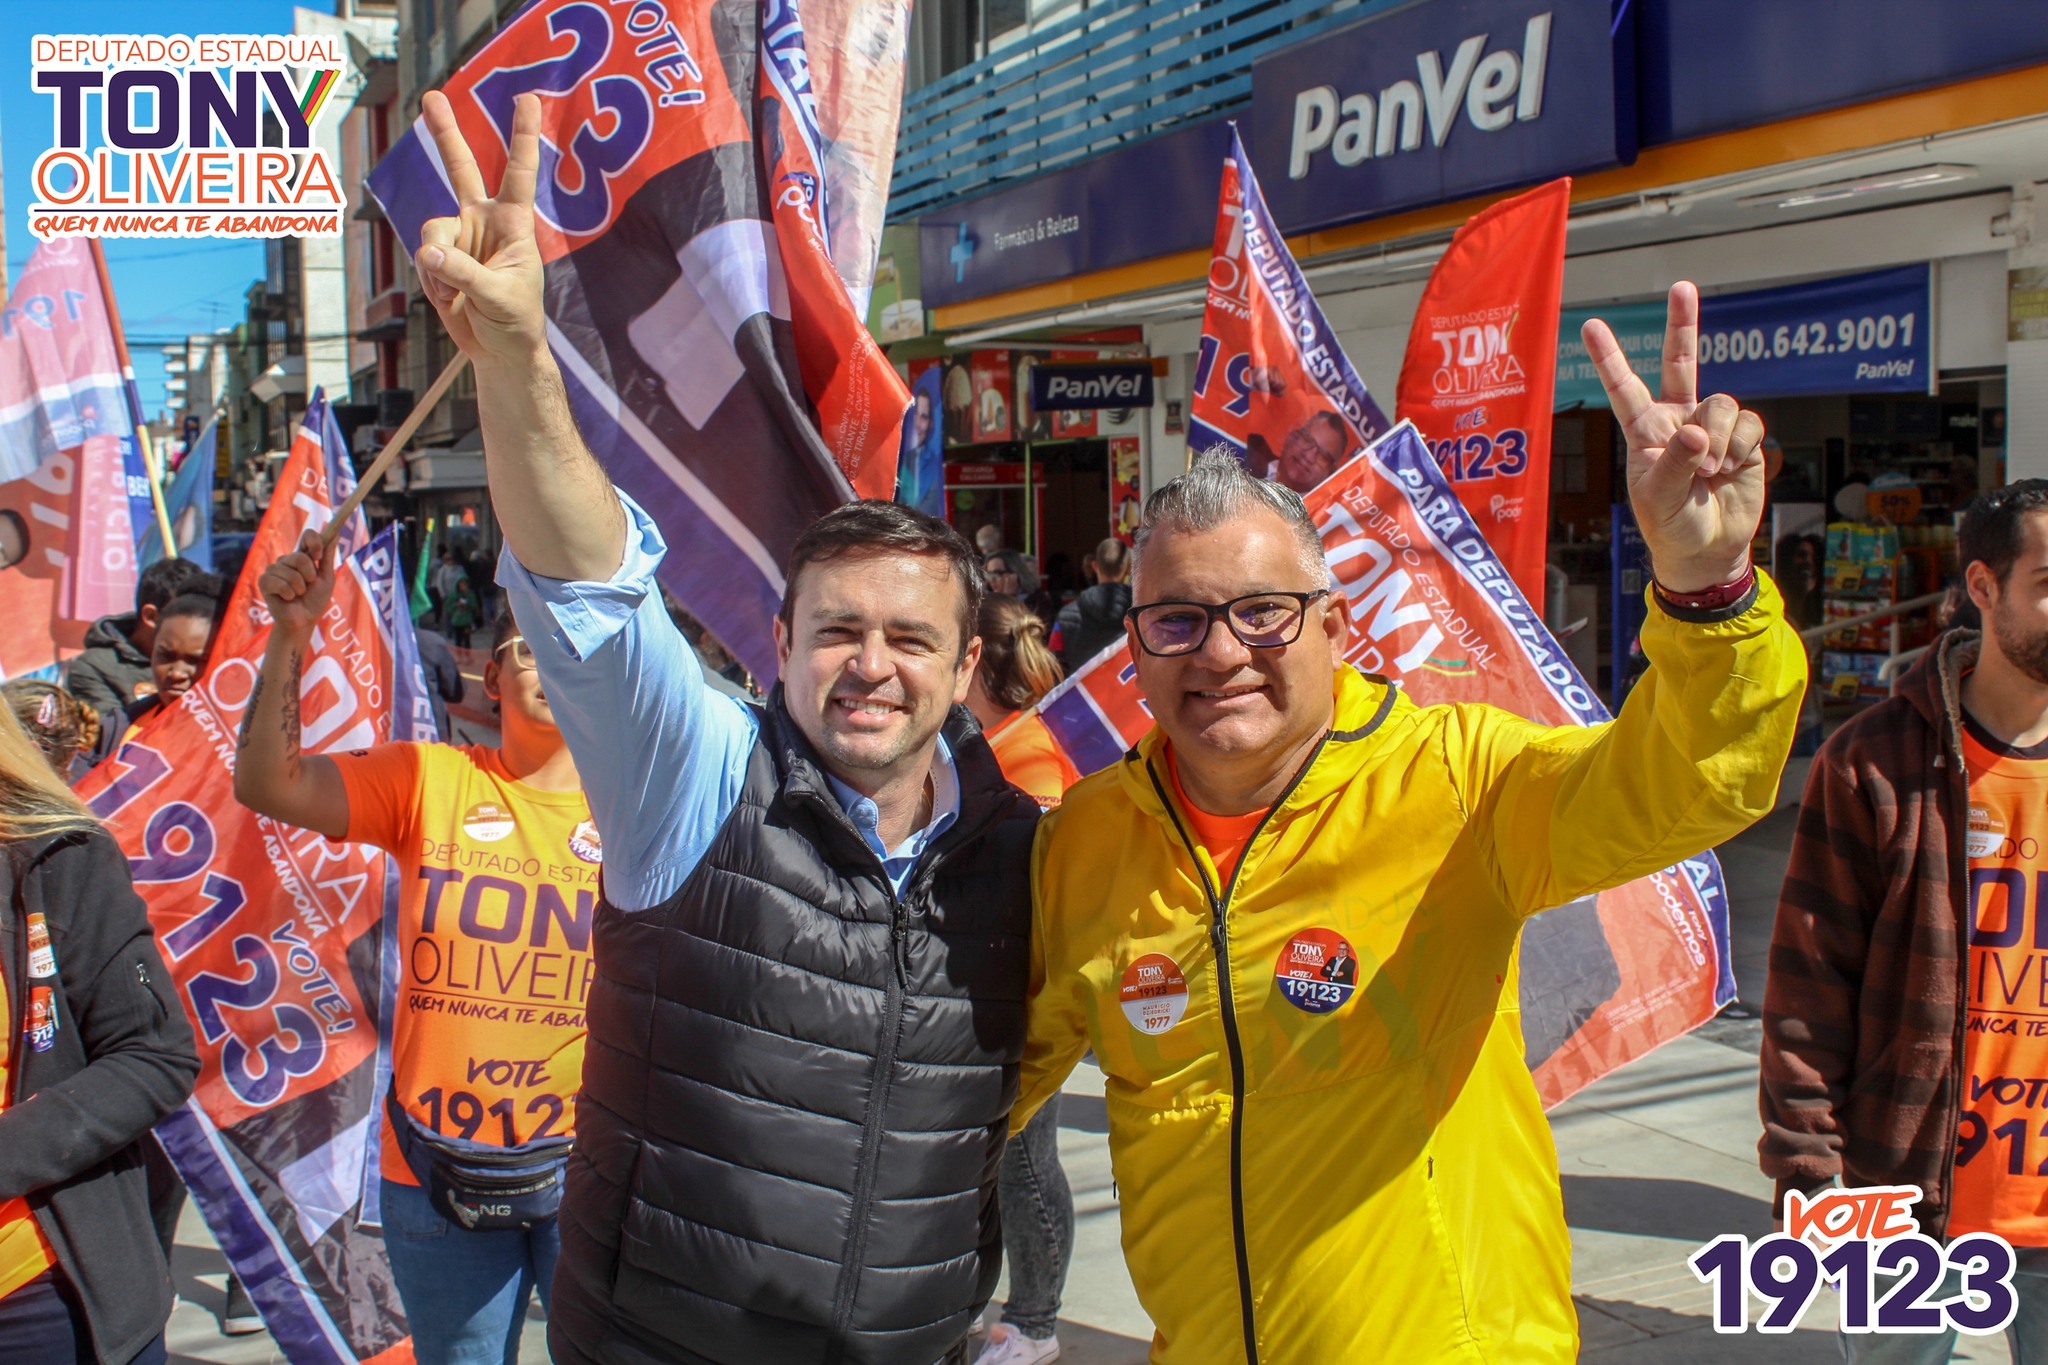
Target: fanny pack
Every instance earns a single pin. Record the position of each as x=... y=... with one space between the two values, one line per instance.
x=477 y=1186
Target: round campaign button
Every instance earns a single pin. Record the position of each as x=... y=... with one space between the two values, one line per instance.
x=1154 y=993
x=487 y=822
x=1317 y=970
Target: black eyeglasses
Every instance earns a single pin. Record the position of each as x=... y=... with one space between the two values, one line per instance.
x=1260 y=620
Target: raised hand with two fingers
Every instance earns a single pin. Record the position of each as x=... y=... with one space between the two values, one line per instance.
x=482 y=268
x=1695 y=469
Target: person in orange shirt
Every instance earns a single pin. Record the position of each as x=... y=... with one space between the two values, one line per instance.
x=1905 y=1024
x=94 y=1049
x=1017 y=668
x=499 y=859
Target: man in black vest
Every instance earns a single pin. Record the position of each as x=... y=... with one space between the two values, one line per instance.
x=812 y=955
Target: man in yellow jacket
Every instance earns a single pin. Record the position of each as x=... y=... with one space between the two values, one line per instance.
x=1325 y=1165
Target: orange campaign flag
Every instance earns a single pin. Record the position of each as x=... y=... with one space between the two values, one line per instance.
x=279 y=940
x=1481 y=369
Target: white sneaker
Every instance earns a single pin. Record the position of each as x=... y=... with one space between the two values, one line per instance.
x=1008 y=1346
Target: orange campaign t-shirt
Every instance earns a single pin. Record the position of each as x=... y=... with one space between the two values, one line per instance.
x=1224 y=836
x=2001 y=1175
x=1032 y=761
x=501 y=884
x=24 y=1251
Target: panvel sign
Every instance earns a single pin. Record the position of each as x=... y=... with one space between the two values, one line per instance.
x=1429 y=103
x=1084 y=387
x=278 y=939
x=1866 y=333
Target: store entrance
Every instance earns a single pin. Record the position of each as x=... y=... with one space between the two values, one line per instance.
x=1060 y=525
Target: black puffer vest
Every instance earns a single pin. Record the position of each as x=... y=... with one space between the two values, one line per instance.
x=796 y=1086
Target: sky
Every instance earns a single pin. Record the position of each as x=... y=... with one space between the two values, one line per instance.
x=165 y=289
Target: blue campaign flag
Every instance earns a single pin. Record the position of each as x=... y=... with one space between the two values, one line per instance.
x=188 y=500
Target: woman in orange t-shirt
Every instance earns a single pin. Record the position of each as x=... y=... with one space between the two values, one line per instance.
x=1017 y=668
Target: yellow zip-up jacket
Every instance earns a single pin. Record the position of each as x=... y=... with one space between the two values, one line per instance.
x=1369 y=1176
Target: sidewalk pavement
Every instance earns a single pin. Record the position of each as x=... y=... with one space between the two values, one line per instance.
x=1656 y=1160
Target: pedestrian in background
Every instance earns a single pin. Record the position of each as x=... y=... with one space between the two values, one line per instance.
x=1038 y=1205
x=114 y=669
x=95 y=1049
x=1878 y=1067
x=462 y=613
x=1094 y=620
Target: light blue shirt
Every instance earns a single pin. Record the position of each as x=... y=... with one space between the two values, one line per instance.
x=663 y=757
x=899 y=862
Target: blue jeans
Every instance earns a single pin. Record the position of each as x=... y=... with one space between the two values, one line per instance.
x=2028 y=1334
x=464 y=1292
x=1038 y=1223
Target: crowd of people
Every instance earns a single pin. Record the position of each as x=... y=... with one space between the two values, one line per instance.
x=801 y=976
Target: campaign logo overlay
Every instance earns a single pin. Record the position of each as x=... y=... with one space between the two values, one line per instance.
x=175 y=136
x=1865 y=1245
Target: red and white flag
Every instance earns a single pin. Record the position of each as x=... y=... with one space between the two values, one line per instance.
x=1482 y=366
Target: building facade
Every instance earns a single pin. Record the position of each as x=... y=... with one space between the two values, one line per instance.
x=1061 y=175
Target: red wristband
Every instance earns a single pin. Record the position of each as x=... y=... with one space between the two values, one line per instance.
x=1713 y=599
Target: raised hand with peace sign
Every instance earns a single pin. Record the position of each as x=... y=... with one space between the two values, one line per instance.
x=482 y=268
x=1695 y=469
x=483 y=271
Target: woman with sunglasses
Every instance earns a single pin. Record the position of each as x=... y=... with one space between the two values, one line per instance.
x=499 y=860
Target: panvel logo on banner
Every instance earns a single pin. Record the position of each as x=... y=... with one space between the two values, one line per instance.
x=202 y=165
x=278 y=939
x=1491 y=91
x=1270 y=380
x=1083 y=387
x=1424 y=104
x=1605 y=978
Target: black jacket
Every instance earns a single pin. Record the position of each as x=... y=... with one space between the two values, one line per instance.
x=107 y=675
x=444 y=677
x=1091 y=622
x=796 y=1086
x=122 y=1058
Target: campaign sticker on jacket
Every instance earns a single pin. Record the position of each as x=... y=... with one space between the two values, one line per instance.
x=487 y=822
x=1986 y=833
x=42 y=961
x=42 y=1019
x=1317 y=971
x=1154 y=993
x=585 y=843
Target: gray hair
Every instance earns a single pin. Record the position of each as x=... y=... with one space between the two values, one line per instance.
x=1218 y=488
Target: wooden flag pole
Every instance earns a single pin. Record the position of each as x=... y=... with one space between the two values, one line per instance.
x=392 y=447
